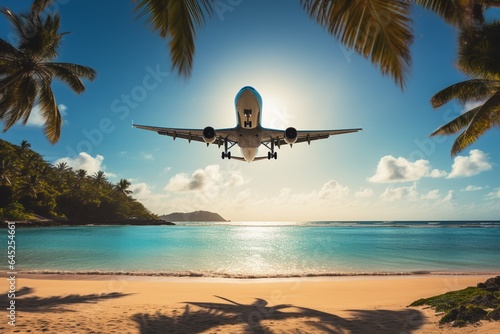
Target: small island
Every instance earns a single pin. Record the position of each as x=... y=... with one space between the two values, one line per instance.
x=195 y=216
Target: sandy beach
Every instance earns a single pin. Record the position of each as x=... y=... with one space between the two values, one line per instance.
x=118 y=304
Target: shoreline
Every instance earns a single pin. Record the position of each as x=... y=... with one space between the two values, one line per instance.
x=131 y=275
x=193 y=305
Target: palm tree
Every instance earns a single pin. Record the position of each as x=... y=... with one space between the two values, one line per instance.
x=122 y=187
x=27 y=71
x=81 y=174
x=479 y=57
x=29 y=186
x=25 y=145
x=62 y=167
x=7 y=169
x=99 y=179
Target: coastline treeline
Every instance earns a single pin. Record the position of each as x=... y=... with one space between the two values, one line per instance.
x=30 y=186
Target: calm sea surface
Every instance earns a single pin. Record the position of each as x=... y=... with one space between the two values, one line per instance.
x=262 y=249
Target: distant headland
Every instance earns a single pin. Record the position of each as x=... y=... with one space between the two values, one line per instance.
x=195 y=216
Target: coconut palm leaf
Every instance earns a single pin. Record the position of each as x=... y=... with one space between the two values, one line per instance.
x=457 y=124
x=479 y=51
x=469 y=90
x=39 y=5
x=452 y=11
x=486 y=117
x=71 y=73
x=20 y=99
x=377 y=30
x=177 y=20
x=50 y=113
x=7 y=51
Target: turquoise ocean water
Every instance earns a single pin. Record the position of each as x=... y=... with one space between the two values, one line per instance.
x=248 y=250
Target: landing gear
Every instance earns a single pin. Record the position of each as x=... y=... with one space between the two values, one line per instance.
x=247 y=123
x=226 y=153
x=272 y=155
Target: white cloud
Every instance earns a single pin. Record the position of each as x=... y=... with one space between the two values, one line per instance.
x=366 y=192
x=62 y=109
x=449 y=197
x=475 y=163
x=400 y=193
x=210 y=179
x=471 y=105
x=391 y=169
x=156 y=202
x=333 y=190
x=35 y=117
x=87 y=162
x=432 y=195
x=494 y=194
x=471 y=188
x=147 y=156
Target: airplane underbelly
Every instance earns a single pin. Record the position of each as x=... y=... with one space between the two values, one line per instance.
x=249 y=139
x=249 y=153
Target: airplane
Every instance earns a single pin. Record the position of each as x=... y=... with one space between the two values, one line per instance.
x=248 y=133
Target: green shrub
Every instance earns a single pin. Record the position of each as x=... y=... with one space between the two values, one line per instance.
x=14 y=211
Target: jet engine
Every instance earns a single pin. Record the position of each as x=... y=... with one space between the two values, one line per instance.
x=290 y=135
x=209 y=135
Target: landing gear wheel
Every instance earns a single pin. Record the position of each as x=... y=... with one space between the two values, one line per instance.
x=275 y=155
x=223 y=155
x=229 y=155
x=268 y=155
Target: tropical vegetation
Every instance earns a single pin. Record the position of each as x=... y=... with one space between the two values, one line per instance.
x=467 y=306
x=27 y=71
x=31 y=186
x=479 y=58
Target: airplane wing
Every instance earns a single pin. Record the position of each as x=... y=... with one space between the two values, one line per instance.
x=277 y=136
x=191 y=134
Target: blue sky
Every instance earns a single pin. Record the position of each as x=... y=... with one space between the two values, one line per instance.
x=392 y=170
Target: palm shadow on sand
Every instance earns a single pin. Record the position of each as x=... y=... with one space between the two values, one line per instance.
x=258 y=318
x=54 y=303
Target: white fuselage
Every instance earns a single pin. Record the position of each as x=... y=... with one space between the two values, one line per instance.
x=248 y=104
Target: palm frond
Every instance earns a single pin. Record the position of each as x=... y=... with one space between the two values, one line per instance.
x=469 y=90
x=19 y=101
x=50 y=113
x=479 y=51
x=457 y=124
x=8 y=51
x=157 y=15
x=39 y=5
x=43 y=42
x=377 y=30
x=178 y=21
x=17 y=22
x=71 y=73
x=486 y=117
x=452 y=11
